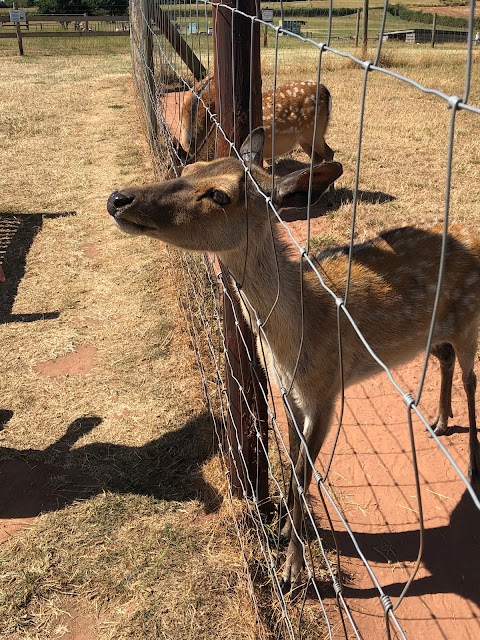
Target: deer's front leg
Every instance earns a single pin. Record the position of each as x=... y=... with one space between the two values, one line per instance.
x=315 y=430
x=295 y=428
x=446 y=355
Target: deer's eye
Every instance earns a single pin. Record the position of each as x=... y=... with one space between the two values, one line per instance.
x=220 y=197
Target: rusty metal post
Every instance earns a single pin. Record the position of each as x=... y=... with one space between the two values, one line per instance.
x=239 y=93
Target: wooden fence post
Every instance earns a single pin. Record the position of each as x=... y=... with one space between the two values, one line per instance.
x=434 y=26
x=19 y=33
x=357 y=28
x=149 y=92
x=180 y=45
x=236 y=98
x=365 y=29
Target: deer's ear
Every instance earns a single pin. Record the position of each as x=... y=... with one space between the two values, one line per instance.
x=292 y=190
x=251 y=150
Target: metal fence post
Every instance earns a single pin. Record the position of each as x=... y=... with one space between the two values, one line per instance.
x=239 y=93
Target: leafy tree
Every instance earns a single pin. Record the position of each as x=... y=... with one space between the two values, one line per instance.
x=63 y=6
x=110 y=7
x=91 y=7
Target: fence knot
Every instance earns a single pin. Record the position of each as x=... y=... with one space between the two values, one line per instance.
x=408 y=399
x=337 y=587
x=387 y=603
x=454 y=101
x=339 y=302
x=367 y=64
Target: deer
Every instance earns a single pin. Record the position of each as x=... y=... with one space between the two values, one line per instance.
x=215 y=207
x=294 y=118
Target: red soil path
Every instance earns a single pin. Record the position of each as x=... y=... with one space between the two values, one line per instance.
x=373 y=479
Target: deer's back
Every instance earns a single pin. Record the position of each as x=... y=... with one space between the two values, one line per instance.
x=295 y=110
x=392 y=292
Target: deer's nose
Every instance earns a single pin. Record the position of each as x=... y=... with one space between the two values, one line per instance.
x=118 y=200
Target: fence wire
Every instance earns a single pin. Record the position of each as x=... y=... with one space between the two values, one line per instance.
x=173 y=53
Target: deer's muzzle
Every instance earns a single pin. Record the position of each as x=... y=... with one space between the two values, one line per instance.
x=123 y=207
x=117 y=201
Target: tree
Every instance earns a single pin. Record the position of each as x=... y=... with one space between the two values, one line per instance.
x=91 y=7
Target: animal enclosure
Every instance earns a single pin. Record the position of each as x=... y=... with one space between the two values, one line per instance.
x=386 y=109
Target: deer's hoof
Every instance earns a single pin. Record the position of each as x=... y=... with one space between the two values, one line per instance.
x=292 y=573
x=439 y=426
x=292 y=584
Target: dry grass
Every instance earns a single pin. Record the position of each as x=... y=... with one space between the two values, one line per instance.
x=129 y=568
x=142 y=545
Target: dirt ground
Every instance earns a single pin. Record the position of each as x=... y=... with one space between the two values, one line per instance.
x=374 y=481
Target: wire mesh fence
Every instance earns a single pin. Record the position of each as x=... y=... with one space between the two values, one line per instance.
x=397 y=122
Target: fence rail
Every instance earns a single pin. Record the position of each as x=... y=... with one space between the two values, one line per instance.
x=63 y=34
x=66 y=17
x=64 y=26
x=164 y=78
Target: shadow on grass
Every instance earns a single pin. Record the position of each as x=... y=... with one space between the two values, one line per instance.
x=33 y=481
x=17 y=233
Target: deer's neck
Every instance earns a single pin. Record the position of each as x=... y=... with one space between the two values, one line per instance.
x=269 y=279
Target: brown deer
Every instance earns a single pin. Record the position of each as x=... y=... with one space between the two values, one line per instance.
x=215 y=207
x=294 y=118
